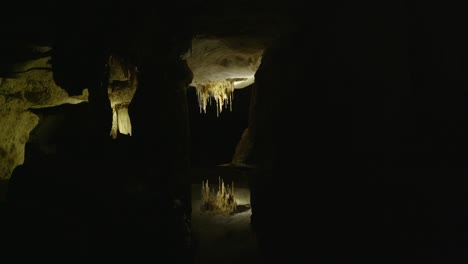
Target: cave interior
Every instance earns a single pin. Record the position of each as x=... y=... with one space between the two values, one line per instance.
x=346 y=130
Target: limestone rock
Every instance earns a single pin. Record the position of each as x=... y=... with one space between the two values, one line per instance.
x=29 y=85
x=243 y=149
x=220 y=65
x=123 y=82
x=220 y=59
x=14 y=133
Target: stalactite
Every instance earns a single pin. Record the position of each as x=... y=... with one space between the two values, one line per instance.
x=120 y=120
x=115 y=123
x=123 y=83
x=124 y=124
x=221 y=91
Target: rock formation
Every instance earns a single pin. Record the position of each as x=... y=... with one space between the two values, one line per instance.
x=222 y=64
x=123 y=82
x=29 y=84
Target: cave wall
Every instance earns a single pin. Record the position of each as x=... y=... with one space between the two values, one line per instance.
x=15 y=129
x=362 y=128
x=95 y=197
x=26 y=85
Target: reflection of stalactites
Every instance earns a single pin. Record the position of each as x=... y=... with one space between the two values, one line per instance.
x=221 y=91
x=221 y=202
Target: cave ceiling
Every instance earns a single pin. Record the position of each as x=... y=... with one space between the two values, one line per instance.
x=224 y=46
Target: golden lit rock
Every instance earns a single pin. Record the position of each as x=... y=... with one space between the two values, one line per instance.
x=14 y=133
x=220 y=65
x=30 y=85
x=123 y=83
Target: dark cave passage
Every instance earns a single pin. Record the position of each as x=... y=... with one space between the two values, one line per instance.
x=354 y=151
x=214 y=138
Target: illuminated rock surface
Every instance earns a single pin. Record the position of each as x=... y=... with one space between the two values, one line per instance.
x=123 y=83
x=220 y=65
x=30 y=85
x=221 y=202
x=14 y=133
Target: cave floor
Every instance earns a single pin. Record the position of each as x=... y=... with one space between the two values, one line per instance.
x=222 y=238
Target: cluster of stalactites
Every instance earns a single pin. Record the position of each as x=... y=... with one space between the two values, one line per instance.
x=221 y=91
x=223 y=202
